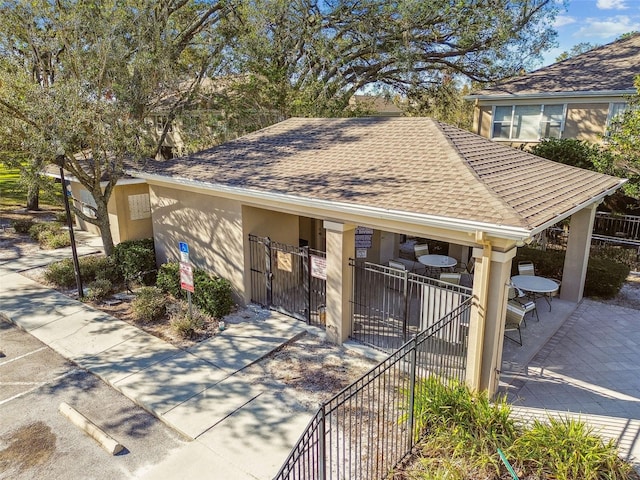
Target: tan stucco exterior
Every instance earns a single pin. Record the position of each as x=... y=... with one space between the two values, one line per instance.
x=124 y=224
x=586 y=118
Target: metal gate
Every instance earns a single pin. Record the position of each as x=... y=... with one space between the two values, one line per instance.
x=289 y=279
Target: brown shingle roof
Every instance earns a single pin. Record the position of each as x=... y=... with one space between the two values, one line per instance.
x=609 y=68
x=413 y=165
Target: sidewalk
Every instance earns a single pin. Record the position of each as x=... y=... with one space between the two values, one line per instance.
x=240 y=430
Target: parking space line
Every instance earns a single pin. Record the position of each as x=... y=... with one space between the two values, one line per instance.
x=24 y=355
x=39 y=385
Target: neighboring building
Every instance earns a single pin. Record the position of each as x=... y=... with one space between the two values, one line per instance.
x=379 y=106
x=326 y=182
x=574 y=98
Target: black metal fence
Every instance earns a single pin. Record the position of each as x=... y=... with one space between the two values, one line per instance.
x=617 y=226
x=288 y=279
x=368 y=428
x=390 y=306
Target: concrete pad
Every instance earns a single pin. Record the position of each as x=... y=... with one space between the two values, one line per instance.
x=61 y=327
x=129 y=357
x=200 y=413
x=241 y=345
x=99 y=334
x=266 y=429
x=170 y=382
x=194 y=460
x=45 y=257
x=30 y=305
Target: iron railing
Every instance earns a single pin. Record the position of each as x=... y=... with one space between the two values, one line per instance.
x=368 y=428
x=390 y=306
x=620 y=226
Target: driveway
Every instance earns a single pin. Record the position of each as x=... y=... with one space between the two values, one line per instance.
x=36 y=441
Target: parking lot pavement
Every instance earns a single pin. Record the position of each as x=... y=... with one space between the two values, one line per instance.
x=37 y=442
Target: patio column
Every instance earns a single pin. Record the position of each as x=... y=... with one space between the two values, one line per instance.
x=340 y=247
x=491 y=275
x=577 y=256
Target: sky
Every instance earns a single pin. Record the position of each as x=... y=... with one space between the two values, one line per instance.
x=594 y=21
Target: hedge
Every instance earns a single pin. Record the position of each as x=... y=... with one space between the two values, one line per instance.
x=135 y=257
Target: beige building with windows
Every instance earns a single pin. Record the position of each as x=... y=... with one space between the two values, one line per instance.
x=574 y=98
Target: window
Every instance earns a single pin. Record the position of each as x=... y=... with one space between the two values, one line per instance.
x=528 y=122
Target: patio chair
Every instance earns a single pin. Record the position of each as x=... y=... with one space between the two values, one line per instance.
x=420 y=249
x=449 y=277
x=397 y=264
x=526 y=268
x=466 y=271
x=513 y=320
x=518 y=296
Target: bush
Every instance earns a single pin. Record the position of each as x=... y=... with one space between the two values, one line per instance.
x=135 y=257
x=605 y=276
x=62 y=273
x=168 y=279
x=61 y=217
x=98 y=290
x=22 y=226
x=184 y=325
x=149 y=305
x=37 y=229
x=212 y=294
x=50 y=240
x=567 y=449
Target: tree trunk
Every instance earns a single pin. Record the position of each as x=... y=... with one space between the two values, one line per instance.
x=104 y=226
x=33 y=197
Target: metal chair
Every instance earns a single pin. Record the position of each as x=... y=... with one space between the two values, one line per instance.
x=517 y=295
x=526 y=268
x=513 y=320
x=420 y=249
x=449 y=277
x=397 y=264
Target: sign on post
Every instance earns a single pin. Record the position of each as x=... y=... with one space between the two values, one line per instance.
x=186 y=277
x=184 y=252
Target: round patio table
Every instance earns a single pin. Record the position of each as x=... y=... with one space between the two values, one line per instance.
x=437 y=261
x=538 y=286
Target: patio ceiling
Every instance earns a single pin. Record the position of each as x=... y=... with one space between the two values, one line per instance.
x=411 y=168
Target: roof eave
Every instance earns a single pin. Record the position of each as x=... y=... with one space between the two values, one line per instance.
x=434 y=221
x=538 y=95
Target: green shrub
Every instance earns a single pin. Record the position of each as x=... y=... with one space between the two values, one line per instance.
x=605 y=275
x=149 y=305
x=37 y=229
x=92 y=267
x=50 y=240
x=212 y=294
x=61 y=217
x=99 y=289
x=184 y=325
x=168 y=279
x=22 y=226
x=134 y=257
x=106 y=269
x=567 y=449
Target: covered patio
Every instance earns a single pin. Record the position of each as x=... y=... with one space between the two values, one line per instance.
x=394 y=176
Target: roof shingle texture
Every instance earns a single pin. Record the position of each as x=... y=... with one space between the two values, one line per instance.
x=413 y=165
x=611 y=67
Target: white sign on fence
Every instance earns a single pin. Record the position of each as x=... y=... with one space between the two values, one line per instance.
x=318 y=267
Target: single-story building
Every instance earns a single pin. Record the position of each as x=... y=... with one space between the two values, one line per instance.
x=315 y=181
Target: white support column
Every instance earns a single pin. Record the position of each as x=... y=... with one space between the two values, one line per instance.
x=491 y=275
x=577 y=256
x=340 y=246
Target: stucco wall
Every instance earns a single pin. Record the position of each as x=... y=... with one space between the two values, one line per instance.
x=586 y=121
x=211 y=226
x=128 y=228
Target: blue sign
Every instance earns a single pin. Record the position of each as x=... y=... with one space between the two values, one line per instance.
x=184 y=248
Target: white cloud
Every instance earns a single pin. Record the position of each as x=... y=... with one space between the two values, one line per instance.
x=606 y=27
x=562 y=20
x=611 y=4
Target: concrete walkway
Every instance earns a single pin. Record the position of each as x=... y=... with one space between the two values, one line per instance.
x=240 y=430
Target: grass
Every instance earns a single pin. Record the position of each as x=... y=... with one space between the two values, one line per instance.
x=13 y=194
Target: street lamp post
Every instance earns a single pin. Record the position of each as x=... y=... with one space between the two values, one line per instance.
x=74 y=251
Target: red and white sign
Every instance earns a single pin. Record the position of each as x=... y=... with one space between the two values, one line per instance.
x=186 y=277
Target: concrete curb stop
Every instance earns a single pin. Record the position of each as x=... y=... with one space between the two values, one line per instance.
x=91 y=429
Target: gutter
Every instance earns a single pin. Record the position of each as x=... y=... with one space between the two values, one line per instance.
x=512 y=233
x=517 y=96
